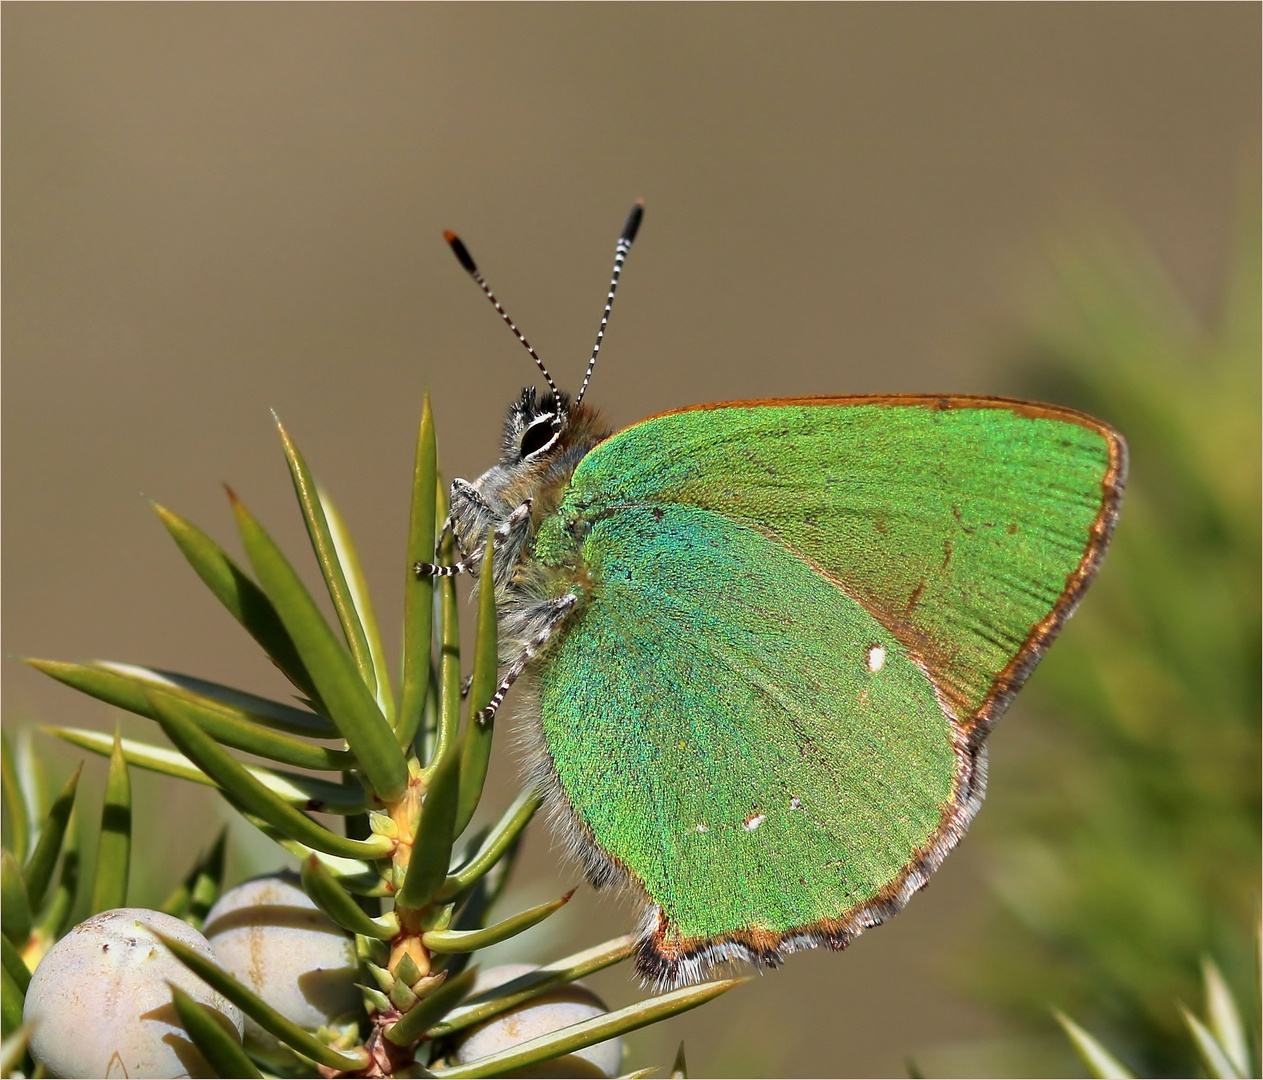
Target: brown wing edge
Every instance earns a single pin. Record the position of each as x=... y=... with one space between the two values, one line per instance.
x=665 y=959
x=936 y=402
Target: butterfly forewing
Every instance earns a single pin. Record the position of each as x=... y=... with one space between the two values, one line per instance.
x=961 y=523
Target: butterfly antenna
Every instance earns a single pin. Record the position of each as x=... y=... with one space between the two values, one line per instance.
x=620 y=256
x=466 y=260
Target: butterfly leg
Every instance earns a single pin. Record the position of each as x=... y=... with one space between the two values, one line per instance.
x=466 y=502
x=463 y=492
x=548 y=617
x=513 y=529
x=461 y=566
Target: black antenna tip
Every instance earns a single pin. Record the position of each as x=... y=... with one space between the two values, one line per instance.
x=633 y=221
x=461 y=252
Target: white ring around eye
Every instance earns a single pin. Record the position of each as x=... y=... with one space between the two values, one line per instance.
x=538 y=421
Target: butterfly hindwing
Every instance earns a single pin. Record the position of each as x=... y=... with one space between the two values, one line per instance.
x=799 y=619
x=747 y=777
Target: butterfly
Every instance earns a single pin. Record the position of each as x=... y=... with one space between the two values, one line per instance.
x=763 y=642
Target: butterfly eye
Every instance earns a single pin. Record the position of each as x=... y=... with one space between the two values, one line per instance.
x=538 y=437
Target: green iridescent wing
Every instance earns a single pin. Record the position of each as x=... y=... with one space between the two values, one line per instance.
x=800 y=619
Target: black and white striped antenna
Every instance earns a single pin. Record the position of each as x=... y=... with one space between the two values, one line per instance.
x=620 y=256
x=466 y=260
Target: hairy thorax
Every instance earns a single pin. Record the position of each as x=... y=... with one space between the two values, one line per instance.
x=515 y=497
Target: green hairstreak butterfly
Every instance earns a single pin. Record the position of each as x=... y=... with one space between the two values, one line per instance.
x=764 y=641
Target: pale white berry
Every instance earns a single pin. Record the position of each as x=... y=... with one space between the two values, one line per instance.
x=99 y=1003
x=541 y=1015
x=270 y=935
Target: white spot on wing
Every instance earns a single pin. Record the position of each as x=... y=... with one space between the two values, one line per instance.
x=876 y=658
x=753 y=822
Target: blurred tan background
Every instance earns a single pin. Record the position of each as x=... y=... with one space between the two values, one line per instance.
x=213 y=210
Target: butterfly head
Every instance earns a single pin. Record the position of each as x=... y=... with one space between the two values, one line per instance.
x=545 y=437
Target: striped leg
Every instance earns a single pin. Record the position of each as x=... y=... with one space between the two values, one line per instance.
x=461 y=566
x=464 y=491
x=516 y=522
x=553 y=615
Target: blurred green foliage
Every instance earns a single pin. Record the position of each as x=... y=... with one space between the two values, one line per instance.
x=1129 y=846
x=1223 y=1039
